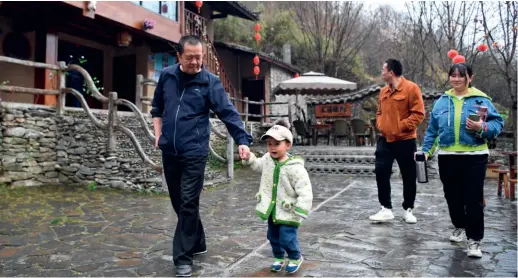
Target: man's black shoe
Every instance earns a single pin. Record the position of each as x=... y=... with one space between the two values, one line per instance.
x=183 y=271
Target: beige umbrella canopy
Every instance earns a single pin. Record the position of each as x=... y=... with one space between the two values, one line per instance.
x=312 y=83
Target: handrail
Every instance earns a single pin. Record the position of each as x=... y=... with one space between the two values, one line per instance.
x=95 y=93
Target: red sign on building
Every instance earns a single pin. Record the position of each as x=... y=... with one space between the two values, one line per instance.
x=333 y=110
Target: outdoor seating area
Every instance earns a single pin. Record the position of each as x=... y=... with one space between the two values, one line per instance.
x=340 y=132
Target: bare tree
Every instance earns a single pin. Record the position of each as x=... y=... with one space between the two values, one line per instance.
x=332 y=33
x=441 y=26
x=502 y=41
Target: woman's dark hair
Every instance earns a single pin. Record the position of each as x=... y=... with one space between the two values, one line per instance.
x=465 y=70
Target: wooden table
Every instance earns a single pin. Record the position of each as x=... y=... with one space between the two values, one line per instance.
x=316 y=127
x=512 y=170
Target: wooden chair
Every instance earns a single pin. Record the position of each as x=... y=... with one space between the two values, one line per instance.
x=302 y=131
x=358 y=126
x=341 y=129
x=513 y=183
x=503 y=181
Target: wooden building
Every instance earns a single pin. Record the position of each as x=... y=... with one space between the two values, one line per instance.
x=113 y=41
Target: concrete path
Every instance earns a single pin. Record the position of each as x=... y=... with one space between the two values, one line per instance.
x=67 y=231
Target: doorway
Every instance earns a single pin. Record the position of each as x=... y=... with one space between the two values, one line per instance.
x=124 y=78
x=254 y=90
x=91 y=60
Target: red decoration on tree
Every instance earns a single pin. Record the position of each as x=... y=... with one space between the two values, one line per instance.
x=297 y=75
x=458 y=59
x=257 y=37
x=482 y=47
x=198 y=5
x=256 y=60
x=452 y=53
x=257 y=27
x=256 y=72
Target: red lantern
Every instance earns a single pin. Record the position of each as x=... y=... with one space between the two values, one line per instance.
x=256 y=60
x=257 y=37
x=297 y=75
x=256 y=72
x=452 y=53
x=458 y=59
x=482 y=47
x=198 y=5
x=257 y=27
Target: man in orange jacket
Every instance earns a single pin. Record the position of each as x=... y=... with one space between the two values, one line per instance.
x=400 y=111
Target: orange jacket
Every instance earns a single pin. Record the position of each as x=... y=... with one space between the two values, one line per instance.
x=400 y=111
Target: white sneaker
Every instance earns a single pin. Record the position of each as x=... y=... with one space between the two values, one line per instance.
x=383 y=215
x=474 y=249
x=409 y=217
x=458 y=235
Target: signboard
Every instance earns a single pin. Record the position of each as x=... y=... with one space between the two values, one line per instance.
x=333 y=110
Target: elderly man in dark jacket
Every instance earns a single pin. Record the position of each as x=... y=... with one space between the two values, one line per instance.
x=183 y=98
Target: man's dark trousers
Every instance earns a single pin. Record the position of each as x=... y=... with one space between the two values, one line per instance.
x=184 y=177
x=403 y=151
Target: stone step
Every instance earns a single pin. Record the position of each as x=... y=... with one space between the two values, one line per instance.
x=332 y=150
x=345 y=169
x=340 y=159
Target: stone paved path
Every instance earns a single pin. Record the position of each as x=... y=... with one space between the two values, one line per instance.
x=59 y=231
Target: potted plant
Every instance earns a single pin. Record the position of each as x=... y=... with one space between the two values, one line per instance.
x=148 y=24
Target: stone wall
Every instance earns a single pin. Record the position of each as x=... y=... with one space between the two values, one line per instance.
x=40 y=148
x=277 y=75
x=28 y=145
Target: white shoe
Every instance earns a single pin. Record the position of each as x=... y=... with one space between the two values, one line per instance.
x=409 y=217
x=383 y=215
x=458 y=235
x=474 y=249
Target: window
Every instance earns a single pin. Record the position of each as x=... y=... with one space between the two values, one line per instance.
x=165 y=8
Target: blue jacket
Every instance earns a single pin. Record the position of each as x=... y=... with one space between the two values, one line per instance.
x=448 y=123
x=185 y=114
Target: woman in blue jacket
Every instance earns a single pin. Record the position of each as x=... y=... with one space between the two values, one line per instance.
x=463 y=153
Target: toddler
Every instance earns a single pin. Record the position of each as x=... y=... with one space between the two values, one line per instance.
x=284 y=198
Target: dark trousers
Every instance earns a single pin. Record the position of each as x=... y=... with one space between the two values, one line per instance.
x=463 y=177
x=403 y=153
x=283 y=239
x=184 y=177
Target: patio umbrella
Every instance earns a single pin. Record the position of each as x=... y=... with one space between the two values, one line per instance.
x=314 y=83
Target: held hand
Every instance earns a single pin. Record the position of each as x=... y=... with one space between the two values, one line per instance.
x=156 y=141
x=244 y=152
x=472 y=125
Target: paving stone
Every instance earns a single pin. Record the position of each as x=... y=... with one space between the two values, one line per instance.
x=71 y=231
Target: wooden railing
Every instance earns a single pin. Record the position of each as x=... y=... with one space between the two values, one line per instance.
x=112 y=101
x=263 y=116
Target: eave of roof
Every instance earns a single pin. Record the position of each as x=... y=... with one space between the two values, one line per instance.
x=363 y=93
x=262 y=55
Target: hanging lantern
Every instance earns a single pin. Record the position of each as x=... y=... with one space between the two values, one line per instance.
x=256 y=72
x=482 y=47
x=198 y=5
x=256 y=60
x=257 y=37
x=452 y=53
x=124 y=39
x=458 y=59
x=297 y=75
x=257 y=27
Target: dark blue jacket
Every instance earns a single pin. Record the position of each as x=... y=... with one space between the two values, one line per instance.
x=185 y=114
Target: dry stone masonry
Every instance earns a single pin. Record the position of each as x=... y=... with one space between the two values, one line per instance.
x=39 y=148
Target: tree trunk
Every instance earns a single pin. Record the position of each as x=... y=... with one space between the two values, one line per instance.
x=513 y=112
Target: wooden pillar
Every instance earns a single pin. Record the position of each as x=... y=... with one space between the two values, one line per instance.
x=51 y=77
x=46 y=51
